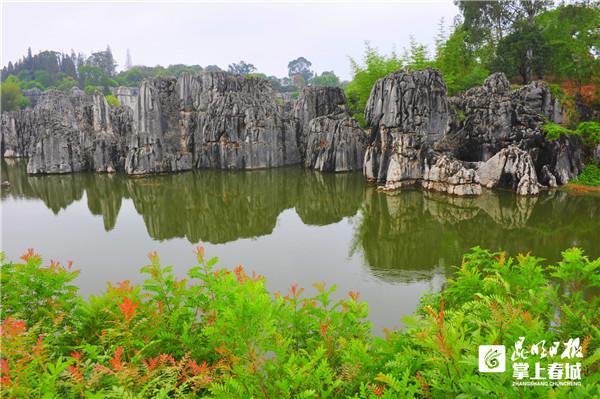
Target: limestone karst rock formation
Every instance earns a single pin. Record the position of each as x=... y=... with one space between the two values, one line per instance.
x=494 y=118
x=65 y=133
x=314 y=102
x=213 y=120
x=335 y=143
x=486 y=136
x=512 y=168
x=408 y=113
x=239 y=124
x=329 y=139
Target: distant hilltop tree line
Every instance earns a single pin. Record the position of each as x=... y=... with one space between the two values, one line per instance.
x=97 y=73
x=525 y=39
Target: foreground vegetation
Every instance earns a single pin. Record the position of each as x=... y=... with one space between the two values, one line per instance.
x=590 y=177
x=220 y=334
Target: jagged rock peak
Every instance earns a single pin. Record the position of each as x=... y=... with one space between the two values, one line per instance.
x=497 y=83
x=539 y=98
x=409 y=102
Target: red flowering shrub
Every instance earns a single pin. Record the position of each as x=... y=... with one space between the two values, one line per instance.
x=220 y=334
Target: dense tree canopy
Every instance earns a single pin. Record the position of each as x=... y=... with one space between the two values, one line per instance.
x=572 y=35
x=365 y=74
x=515 y=57
x=241 y=68
x=299 y=71
x=459 y=62
x=326 y=78
x=104 y=61
x=11 y=96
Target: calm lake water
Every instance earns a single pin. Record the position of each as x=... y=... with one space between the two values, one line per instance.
x=290 y=225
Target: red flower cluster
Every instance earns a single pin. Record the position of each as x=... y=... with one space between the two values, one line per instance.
x=11 y=327
x=4 y=372
x=74 y=369
x=378 y=389
x=128 y=308
x=117 y=360
x=354 y=295
x=29 y=254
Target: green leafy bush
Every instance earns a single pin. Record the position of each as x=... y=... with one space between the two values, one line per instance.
x=589 y=133
x=553 y=131
x=11 y=97
x=590 y=176
x=220 y=334
x=112 y=100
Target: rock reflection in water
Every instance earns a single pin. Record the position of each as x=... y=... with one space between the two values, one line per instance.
x=416 y=230
x=207 y=205
x=400 y=237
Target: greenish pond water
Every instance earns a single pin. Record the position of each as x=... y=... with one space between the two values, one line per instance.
x=290 y=225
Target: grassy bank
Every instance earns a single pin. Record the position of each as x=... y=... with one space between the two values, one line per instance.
x=220 y=334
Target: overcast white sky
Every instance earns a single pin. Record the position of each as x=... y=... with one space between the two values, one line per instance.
x=267 y=34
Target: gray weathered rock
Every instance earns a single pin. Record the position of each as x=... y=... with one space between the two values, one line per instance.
x=239 y=125
x=335 y=143
x=510 y=168
x=537 y=96
x=213 y=120
x=406 y=111
x=72 y=133
x=486 y=136
x=494 y=119
x=450 y=175
x=160 y=141
x=15 y=136
x=313 y=102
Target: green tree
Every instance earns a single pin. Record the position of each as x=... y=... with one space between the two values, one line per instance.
x=241 y=68
x=416 y=56
x=90 y=75
x=490 y=22
x=11 y=96
x=300 y=67
x=43 y=77
x=327 y=78
x=459 y=63
x=66 y=83
x=112 y=100
x=515 y=57
x=132 y=77
x=486 y=21
x=104 y=61
x=572 y=34
x=364 y=75
x=275 y=83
